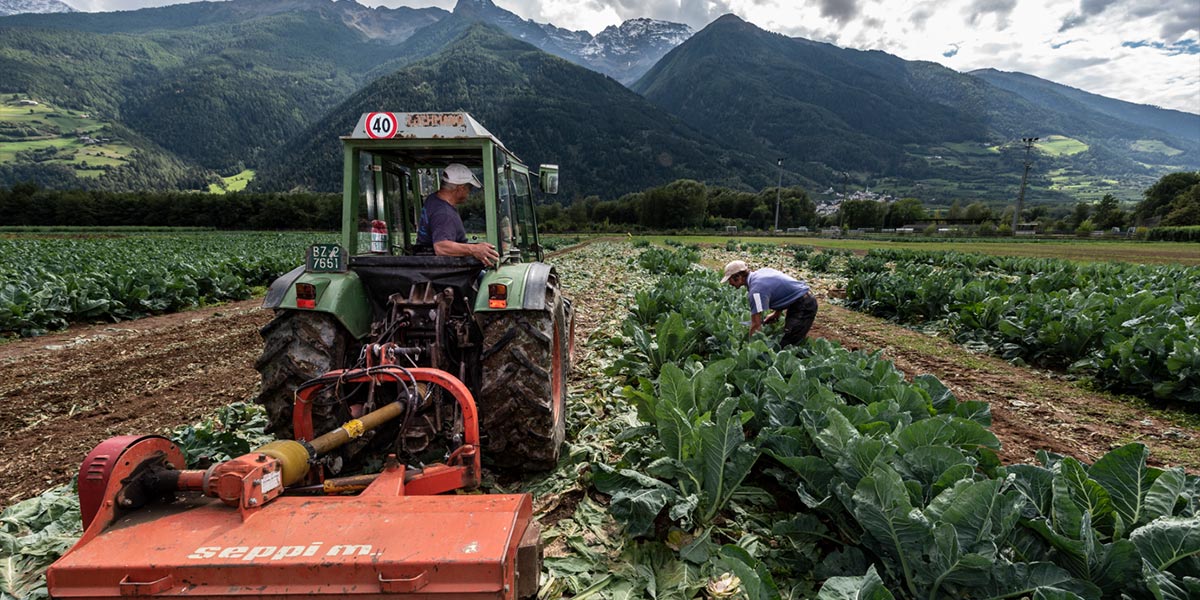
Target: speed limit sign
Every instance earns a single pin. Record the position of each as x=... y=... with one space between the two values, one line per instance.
x=381 y=125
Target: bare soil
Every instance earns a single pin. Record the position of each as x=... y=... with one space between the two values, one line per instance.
x=62 y=394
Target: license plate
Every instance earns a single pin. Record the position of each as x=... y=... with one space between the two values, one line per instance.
x=326 y=258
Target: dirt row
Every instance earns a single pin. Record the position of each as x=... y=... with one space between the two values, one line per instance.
x=1031 y=410
x=62 y=394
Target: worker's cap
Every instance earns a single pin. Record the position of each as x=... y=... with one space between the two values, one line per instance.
x=733 y=268
x=459 y=174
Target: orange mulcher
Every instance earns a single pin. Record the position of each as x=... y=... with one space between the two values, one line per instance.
x=270 y=525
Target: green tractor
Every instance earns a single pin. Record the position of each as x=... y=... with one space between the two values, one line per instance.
x=506 y=332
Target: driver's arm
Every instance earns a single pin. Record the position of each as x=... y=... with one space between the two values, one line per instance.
x=484 y=252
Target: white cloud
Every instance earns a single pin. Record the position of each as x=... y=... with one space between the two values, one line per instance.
x=1074 y=42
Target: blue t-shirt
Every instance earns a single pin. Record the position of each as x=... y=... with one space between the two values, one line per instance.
x=771 y=289
x=439 y=223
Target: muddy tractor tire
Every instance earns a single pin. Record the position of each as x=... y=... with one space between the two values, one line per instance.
x=298 y=346
x=522 y=400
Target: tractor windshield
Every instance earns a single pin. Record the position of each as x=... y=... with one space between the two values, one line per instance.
x=393 y=185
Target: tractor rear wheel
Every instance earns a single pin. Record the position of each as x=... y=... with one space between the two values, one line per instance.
x=298 y=346
x=522 y=412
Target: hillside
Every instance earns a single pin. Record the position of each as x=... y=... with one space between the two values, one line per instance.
x=888 y=122
x=214 y=84
x=392 y=25
x=220 y=84
x=1174 y=129
x=762 y=91
x=49 y=145
x=607 y=139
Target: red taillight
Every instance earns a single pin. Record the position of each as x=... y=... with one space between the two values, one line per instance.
x=497 y=295
x=306 y=295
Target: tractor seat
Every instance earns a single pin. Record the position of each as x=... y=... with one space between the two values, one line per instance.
x=384 y=275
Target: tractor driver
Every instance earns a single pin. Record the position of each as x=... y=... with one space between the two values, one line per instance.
x=442 y=228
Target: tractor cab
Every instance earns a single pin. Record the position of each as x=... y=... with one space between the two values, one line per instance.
x=393 y=162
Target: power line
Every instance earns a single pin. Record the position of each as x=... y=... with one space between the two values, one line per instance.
x=1024 y=178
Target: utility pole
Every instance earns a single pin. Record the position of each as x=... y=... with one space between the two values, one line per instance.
x=1024 y=178
x=777 y=192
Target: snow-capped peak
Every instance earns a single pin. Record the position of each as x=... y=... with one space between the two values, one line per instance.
x=16 y=7
x=638 y=36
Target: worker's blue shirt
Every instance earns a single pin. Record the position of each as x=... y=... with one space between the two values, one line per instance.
x=771 y=289
x=439 y=223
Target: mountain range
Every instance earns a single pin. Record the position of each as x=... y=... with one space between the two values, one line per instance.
x=828 y=108
x=547 y=109
x=270 y=84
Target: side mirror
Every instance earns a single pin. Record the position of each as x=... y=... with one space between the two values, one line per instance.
x=548 y=178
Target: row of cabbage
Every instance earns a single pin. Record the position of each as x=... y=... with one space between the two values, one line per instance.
x=48 y=283
x=819 y=472
x=1130 y=327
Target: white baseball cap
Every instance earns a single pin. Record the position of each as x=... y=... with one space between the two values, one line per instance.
x=733 y=268
x=459 y=174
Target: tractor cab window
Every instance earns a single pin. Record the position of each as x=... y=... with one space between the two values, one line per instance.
x=371 y=221
x=523 y=203
x=505 y=225
x=473 y=211
x=429 y=182
x=403 y=223
x=504 y=214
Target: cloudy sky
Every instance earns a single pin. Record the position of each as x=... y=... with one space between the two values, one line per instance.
x=1145 y=51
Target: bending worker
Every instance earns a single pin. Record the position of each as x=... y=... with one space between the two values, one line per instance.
x=771 y=289
x=440 y=225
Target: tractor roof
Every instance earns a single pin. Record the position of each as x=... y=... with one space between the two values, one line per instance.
x=419 y=126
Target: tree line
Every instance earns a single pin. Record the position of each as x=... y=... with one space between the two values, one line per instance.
x=681 y=205
x=29 y=205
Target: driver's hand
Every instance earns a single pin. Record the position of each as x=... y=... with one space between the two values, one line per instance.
x=486 y=253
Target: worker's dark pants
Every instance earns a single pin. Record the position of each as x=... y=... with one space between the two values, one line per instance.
x=798 y=320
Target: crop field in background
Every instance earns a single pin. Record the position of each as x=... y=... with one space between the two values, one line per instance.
x=1132 y=327
x=1079 y=250
x=874 y=462
x=51 y=277
x=48 y=282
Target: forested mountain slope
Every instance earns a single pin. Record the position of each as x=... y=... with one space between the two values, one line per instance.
x=607 y=139
x=887 y=119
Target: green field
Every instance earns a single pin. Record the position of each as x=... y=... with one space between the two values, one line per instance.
x=1057 y=145
x=51 y=281
x=45 y=126
x=1078 y=250
x=1090 y=188
x=1154 y=146
x=233 y=183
